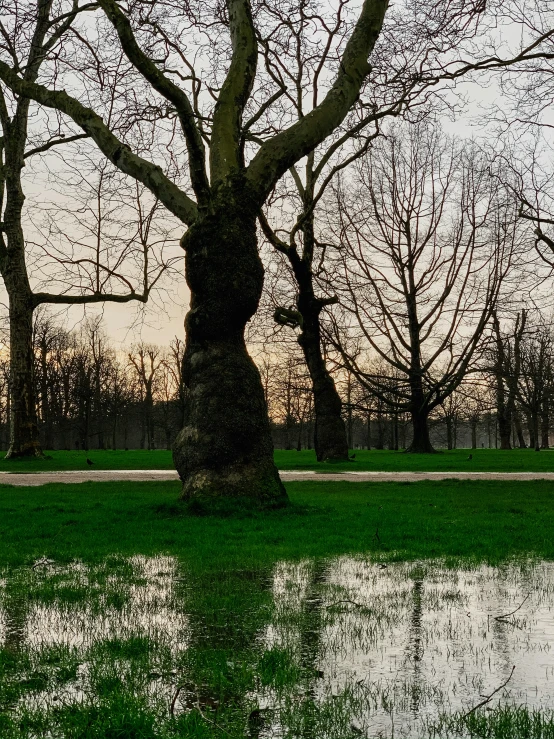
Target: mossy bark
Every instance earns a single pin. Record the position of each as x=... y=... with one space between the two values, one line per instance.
x=225 y=448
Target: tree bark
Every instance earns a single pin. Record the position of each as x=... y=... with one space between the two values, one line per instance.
x=225 y=448
x=421 y=441
x=505 y=429
x=24 y=436
x=330 y=431
x=545 y=420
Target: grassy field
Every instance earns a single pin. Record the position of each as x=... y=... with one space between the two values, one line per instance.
x=493 y=460
x=486 y=520
x=456 y=460
x=169 y=647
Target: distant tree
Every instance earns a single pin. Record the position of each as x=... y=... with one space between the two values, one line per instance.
x=424 y=241
x=505 y=354
x=536 y=382
x=146 y=362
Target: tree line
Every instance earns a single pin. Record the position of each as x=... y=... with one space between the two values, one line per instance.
x=91 y=395
x=299 y=134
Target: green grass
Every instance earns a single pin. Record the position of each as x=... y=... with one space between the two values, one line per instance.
x=133 y=459
x=487 y=520
x=493 y=460
x=222 y=602
x=456 y=460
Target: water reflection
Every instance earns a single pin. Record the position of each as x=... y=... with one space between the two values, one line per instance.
x=414 y=640
x=313 y=649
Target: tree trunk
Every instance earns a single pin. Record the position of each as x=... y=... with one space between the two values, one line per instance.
x=330 y=431
x=421 y=441
x=448 y=433
x=545 y=422
x=536 y=432
x=24 y=437
x=519 y=432
x=504 y=430
x=225 y=449
x=474 y=434
x=531 y=429
x=368 y=424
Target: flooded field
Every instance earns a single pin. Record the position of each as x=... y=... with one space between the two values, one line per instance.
x=339 y=649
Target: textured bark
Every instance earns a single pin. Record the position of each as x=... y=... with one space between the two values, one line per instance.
x=225 y=448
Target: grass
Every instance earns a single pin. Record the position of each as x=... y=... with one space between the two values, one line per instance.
x=486 y=520
x=133 y=459
x=76 y=555
x=455 y=460
x=492 y=460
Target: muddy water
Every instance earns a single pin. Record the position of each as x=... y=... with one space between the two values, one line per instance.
x=377 y=650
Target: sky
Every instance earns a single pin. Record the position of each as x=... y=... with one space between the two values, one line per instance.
x=163 y=319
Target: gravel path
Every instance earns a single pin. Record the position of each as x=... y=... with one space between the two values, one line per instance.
x=72 y=476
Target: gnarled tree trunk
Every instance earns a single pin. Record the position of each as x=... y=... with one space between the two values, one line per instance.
x=225 y=448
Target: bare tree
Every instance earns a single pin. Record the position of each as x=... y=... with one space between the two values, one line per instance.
x=506 y=370
x=424 y=244
x=536 y=382
x=407 y=65
x=32 y=35
x=146 y=362
x=225 y=447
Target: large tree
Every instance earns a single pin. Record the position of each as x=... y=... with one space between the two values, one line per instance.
x=225 y=446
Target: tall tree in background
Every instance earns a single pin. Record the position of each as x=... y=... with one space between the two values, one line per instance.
x=407 y=65
x=506 y=369
x=536 y=382
x=424 y=244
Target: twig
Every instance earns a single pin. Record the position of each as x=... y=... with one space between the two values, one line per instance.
x=376 y=535
x=346 y=600
x=200 y=711
x=174 y=700
x=488 y=698
x=209 y=720
x=501 y=618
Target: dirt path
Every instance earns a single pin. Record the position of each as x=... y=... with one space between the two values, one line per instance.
x=73 y=476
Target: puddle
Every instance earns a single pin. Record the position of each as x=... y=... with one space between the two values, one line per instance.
x=401 y=644
x=343 y=648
